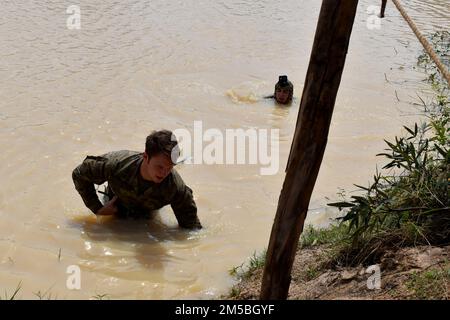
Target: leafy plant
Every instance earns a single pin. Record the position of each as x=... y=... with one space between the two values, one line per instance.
x=408 y=202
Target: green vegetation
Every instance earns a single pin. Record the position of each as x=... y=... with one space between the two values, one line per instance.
x=312 y=273
x=234 y=293
x=13 y=295
x=103 y=296
x=334 y=235
x=408 y=203
x=440 y=42
x=431 y=284
x=46 y=295
x=256 y=262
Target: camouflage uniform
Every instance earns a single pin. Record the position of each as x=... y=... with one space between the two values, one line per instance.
x=137 y=197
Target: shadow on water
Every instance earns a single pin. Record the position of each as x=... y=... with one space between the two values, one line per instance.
x=126 y=248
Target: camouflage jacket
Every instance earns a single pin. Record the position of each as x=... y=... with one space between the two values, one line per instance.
x=136 y=196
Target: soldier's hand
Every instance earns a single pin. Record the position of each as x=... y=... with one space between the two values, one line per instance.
x=109 y=208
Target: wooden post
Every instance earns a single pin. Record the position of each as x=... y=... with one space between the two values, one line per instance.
x=316 y=108
x=383 y=8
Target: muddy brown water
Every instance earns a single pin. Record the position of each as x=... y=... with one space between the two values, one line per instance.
x=135 y=66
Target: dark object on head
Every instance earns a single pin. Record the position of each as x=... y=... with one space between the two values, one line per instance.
x=282 y=79
x=163 y=141
x=283 y=84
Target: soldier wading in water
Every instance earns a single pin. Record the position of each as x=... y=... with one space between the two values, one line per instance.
x=138 y=183
x=284 y=91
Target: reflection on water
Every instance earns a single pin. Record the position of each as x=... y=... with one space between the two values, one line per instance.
x=140 y=65
x=126 y=249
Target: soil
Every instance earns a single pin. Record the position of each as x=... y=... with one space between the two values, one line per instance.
x=398 y=268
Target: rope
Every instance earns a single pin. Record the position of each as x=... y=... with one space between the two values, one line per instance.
x=426 y=45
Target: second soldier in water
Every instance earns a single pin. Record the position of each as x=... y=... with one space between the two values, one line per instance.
x=284 y=91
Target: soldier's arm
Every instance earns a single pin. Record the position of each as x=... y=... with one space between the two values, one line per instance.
x=93 y=170
x=184 y=207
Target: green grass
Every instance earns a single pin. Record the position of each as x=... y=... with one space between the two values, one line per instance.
x=335 y=235
x=14 y=294
x=408 y=201
x=234 y=292
x=41 y=295
x=103 y=296
x=45 y=295
x=431 y=284
x=406 y=204
x=312 y=273
x=245 y=270
x=332 y=235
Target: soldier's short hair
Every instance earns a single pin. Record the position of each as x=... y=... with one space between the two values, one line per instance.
x=162 y=141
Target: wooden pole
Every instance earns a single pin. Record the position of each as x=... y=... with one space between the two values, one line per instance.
x=316 y=108
x=383 y=8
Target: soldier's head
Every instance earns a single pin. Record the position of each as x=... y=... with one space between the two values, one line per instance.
x=161 y=154
x=284 y=90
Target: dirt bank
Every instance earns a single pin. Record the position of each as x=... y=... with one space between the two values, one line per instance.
x=408 y=273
